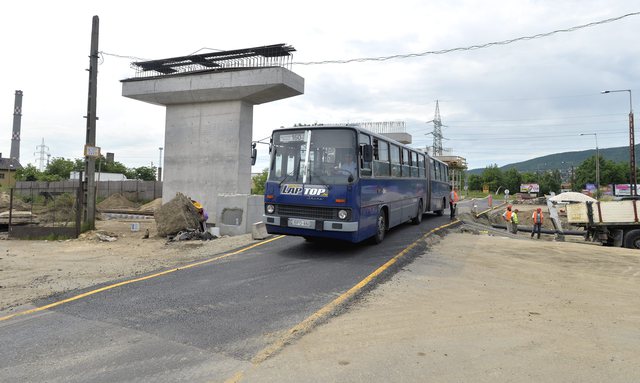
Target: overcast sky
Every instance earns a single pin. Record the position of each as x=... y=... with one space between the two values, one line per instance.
x=501 y=104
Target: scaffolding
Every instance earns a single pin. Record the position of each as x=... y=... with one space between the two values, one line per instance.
x=277 y=55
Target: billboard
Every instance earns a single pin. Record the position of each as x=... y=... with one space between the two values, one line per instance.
x=529 y=188
x=622 y=189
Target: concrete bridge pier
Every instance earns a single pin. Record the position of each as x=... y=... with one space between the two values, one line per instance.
x=208 y=130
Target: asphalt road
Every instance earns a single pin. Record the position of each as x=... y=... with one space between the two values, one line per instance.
x=203 y=323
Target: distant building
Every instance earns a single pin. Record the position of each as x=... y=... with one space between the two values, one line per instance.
x=100 y=176
x=8 y=169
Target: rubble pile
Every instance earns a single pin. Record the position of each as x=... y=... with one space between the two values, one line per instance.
x=175 y=216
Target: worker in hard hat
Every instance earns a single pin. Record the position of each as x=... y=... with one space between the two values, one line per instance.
x=537 y=218
x=202 y=215
x=514 y=221
x=506 y=216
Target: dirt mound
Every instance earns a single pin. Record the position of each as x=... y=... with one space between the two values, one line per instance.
x=116 y=202
x=5 y=199
x=152 y=206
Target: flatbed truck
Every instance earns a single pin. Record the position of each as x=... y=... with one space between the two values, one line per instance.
x=613 y=223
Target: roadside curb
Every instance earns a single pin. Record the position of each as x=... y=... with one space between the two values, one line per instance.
x=322 y=315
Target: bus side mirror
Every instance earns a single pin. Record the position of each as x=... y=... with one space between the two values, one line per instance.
x=254 y=154
x=367 y=153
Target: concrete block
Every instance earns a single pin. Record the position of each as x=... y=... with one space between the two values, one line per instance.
x=259 y=230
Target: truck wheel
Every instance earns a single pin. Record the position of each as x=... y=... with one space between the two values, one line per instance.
x=632 y=239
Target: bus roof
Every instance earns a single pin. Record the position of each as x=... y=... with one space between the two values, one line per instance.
x=356 y=128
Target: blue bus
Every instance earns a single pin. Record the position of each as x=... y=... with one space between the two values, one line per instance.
x=347 y=183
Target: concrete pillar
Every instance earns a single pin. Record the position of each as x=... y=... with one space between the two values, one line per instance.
x=209 y=127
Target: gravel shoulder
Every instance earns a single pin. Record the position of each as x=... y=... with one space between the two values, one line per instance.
x=483 y=308
x=480 y=305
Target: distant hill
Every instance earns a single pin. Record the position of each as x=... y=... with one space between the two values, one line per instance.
x=563 y=161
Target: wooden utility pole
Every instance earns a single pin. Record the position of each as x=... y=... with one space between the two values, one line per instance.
x=90 y=151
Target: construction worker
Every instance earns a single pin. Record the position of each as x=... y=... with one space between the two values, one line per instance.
x=506 y=216
x=202 y=215
x=514 y=221
x=537 y=217
x=453 y=201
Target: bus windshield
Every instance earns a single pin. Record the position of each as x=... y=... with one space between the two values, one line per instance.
x=316 y=156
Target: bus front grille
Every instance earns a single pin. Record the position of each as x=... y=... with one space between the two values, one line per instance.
x=307 y=212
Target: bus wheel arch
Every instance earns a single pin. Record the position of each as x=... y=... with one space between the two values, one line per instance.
x=382 y=224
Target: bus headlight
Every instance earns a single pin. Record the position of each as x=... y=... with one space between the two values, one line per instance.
x=342 y=214
x=271 y=209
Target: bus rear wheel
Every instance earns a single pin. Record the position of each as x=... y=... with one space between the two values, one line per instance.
x=440 y=212
x=418 y=218
x=381 y=227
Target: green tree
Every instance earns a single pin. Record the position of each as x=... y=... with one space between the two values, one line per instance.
x=550 y=181
x=61 y=168
x=28 y=173
x=512 y=180
x=475 y=182
x=529 y=178
x=145 y=173
x=492 y=176
x=113 y=167
x=259 y=181
x=586 y=172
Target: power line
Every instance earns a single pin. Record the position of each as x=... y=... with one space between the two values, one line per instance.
x=541 y=119
x=122 y=56
x=471 y=47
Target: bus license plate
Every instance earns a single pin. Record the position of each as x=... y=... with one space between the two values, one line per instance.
x=299 y=222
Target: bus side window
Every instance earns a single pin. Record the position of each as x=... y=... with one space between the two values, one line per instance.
x=421 y=168
x=436 y=169
x=406 y=163
x=365 y=167
x=380 y=158
x=446 y=173
x=396 y=169
x=432 y=169
x=414 y=164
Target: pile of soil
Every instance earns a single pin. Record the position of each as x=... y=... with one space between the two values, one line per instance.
x=5 y=199
x=152 y=206
x=116 y=202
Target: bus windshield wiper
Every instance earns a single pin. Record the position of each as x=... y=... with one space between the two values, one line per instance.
x=284 y=179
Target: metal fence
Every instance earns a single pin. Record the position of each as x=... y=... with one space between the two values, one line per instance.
x=44 y=212
x=54 y=209
x=133 y=190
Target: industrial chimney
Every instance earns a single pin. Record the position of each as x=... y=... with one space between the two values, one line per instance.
x=17 y=119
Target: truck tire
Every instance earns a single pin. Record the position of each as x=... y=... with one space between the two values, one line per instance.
x=632 y=239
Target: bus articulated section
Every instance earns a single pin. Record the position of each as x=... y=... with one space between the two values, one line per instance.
x=346 y=183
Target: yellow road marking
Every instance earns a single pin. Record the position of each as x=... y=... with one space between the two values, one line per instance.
x=113 y=286
x=304 y=326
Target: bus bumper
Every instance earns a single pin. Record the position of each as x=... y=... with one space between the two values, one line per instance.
x=310 y=224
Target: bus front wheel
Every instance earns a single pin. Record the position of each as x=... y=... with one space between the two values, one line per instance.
x=381 y=227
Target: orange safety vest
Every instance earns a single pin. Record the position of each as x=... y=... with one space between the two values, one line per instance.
x=507 y=215
x=537 y=217
x=453 y=196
